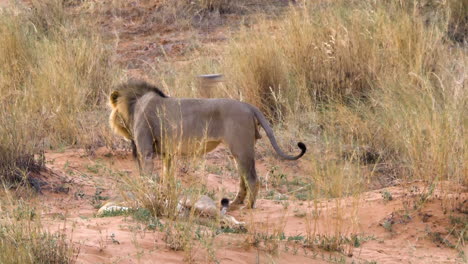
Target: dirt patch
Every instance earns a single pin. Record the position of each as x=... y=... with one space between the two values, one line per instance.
x=120 y=239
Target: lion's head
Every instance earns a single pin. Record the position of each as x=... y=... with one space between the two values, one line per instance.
x=122 y=101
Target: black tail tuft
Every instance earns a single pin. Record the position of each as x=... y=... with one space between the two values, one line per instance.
x=225 y=202
x=302 y=146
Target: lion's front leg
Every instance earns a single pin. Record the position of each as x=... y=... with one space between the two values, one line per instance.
x=147 y=162
x=135 y=155
x=145 y=151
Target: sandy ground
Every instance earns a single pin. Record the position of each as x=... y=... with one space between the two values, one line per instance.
x=73 y=178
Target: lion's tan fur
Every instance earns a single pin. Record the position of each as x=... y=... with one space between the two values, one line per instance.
x=157 y=124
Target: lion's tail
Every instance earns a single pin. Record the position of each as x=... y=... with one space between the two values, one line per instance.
x=266 y=126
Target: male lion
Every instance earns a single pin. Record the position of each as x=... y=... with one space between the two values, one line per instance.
x=156 y=123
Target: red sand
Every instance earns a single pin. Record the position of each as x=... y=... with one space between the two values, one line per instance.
x=122 y=240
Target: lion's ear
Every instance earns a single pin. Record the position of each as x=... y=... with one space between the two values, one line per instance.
x=113 y=98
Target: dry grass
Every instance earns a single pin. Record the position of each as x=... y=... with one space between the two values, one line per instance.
x=160 y=195
x=55 y=74
x=184 y=15
x=205 y=13
x=23 y=238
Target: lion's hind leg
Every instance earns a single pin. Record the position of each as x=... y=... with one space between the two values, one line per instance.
x=252 y=186
x=241 y=142
x=240 y=197
x=249 y=184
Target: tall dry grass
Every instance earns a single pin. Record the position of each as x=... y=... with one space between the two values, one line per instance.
x=183 y=15
x=376 y=77
x=23 y=239
x=205 y=12
x=54 y=75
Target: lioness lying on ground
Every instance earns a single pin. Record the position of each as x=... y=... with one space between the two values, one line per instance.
x=158 y=124
x=203 y=206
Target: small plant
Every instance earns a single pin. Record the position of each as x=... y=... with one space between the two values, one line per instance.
x=278 y=197
x=332 y=243
x=24 y=212
x=114 y=241
x=302 y=196
x=357 y=240
x=459 y=231
x=268 y=240
x=145 y=216
x=115 y=212
x=229 y=230
x=388 y=225
x=336 y=243
x=459 y=227
x=270 y=195
x=296 y=238
x=387 y=196
x=94 y=168
x=300 y=214
x=142 y=215
x=439 y=238
x=277 y=178
x=97 y=198
x=178 y=235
